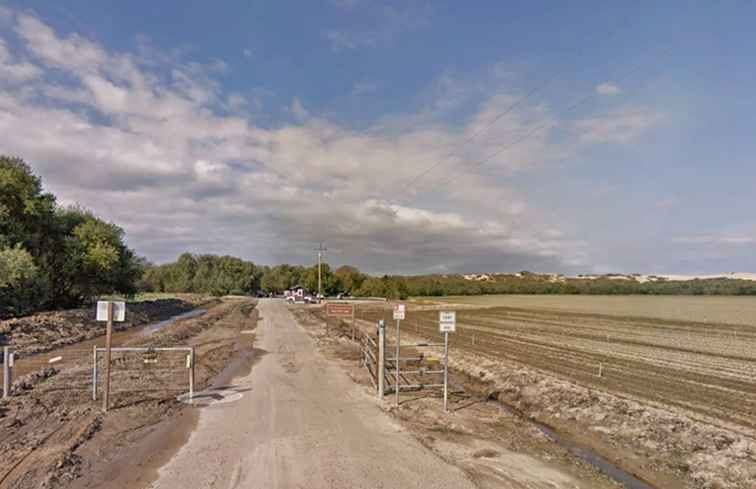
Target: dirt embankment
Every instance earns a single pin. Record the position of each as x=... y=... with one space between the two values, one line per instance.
x=494 y=447
x=664 y=445
x=47 y=331
x=53 y=435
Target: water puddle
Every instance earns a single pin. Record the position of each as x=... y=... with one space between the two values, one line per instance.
x=151 y=329
x=585 y=454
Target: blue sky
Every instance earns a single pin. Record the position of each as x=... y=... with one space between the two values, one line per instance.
x=562 y=137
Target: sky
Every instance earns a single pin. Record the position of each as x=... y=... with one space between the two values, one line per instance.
x=410 y=137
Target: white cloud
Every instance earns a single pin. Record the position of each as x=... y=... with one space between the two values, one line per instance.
x=388 y=24
x=364 y=88
x=159 y=154
x=14 y=71
x=608 y=88
x=716 y=239
x=619 y=126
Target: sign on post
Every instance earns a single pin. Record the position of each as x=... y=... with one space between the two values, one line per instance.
x=399 y=311
x=119 y=311
x=109 y=311
x=339 y=310
x=447 y=321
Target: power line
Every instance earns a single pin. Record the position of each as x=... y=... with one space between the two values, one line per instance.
x=540 y=127
x=491 y=123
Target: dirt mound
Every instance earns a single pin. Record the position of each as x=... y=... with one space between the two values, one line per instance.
x=50 y=330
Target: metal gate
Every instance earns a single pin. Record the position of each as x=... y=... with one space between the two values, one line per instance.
x=413 y=369
x=149 y=371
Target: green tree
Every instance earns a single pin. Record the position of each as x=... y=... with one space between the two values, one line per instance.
x=22 y=284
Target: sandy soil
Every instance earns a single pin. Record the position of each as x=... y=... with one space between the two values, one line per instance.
x=52 y=433
x=494 y=447
x=301 y=422
x=674 y=404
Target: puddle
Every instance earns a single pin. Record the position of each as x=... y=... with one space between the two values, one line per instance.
x=587 y=455
x=154 y=328
x=603 y=465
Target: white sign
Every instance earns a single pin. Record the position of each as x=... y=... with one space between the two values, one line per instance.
x=119 y=311
x=399 y=311
x=447 y=321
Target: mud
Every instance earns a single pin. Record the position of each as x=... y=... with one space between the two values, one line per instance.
x=53 y=434
x=48 y=331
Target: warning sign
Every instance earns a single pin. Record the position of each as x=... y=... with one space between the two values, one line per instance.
x=399 y=311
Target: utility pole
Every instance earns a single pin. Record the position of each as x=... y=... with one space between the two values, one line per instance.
x=320 y=249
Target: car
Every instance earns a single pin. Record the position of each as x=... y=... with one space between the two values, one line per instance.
x=290 y=299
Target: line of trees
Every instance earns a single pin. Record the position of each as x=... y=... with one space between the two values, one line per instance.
x=55 y=257
x=207 y=274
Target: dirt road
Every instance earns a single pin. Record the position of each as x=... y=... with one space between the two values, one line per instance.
x=301 y=423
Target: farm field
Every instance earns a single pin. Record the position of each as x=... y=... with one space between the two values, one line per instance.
x=715 y=309
x=656 y=349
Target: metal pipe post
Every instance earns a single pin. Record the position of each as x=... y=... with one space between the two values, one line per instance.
x=396 y=385
x=94 y=373
x=191 y=376
x=381 y=358
x=108 y=346
x=446 y=371
x=7 y=372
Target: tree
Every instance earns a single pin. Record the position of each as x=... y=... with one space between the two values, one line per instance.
x=76 y=256
x=22 y=285
x=348 y=279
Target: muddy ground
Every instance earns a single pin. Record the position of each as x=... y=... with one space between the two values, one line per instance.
x=47 y=331
x=662 y=446
x=53 y=435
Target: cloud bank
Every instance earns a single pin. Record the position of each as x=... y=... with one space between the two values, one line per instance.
x=171 y=157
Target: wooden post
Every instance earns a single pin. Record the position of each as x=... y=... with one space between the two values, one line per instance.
x=108 y=346
x=354 y=331
x=94 y=373
x=7 y=371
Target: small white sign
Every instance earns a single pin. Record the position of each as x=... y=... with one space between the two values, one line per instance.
x=119 y=311
x=399 y=311
x=447 y=321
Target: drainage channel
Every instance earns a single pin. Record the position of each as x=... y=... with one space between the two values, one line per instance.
x=154 y=328
x=585 y=454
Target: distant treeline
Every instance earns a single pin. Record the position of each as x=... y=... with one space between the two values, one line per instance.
x=199 y=274
x=532 y=283
x=54 y=257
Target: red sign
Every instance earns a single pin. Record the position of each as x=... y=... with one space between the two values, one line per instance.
x=339 y=310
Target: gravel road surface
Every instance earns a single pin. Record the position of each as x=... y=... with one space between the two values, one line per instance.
x=301 y=423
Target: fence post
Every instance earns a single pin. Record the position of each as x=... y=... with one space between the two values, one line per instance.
x=94 y=373
x=396 y=366
x=7 y=371
x=446 y=371
x=108 y=346
x=381 y=357
x=191 y=376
